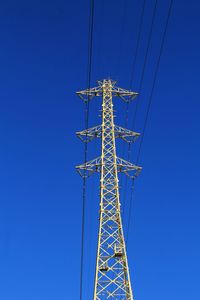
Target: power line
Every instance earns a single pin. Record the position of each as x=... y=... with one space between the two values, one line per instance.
x=145 y=61
x=130 y=208
x=154 y=79
x=151 y=97
x=138 y=42
x=131 y=83
x=142 y=75
x=86 y=112
x=121 y=35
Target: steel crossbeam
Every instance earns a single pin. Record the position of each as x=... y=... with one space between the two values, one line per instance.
x=95 y=165
x=120 y=132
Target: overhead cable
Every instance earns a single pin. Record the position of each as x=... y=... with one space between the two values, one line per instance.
x=150 y=102
x=86 y=112
x=141 y=79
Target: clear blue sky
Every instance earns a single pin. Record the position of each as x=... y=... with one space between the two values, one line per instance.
x=43 y=59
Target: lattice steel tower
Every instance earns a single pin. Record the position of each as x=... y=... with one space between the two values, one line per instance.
x=112 y=279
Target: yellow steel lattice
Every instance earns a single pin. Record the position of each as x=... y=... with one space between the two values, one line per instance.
x=112 y=279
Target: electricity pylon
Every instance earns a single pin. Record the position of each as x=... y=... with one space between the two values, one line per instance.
x=112 y=279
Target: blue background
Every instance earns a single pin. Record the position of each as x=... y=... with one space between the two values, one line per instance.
x=44 y=49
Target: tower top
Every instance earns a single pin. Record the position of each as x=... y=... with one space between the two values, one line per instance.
x=125 y=95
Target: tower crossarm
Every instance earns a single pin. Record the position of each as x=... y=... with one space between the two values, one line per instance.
x=90 y=133
x=128 y=168
x=86 y=169
x=120 y=132
x=95 y=165
x=98 y=91
x=126 y=134
x=88 y=94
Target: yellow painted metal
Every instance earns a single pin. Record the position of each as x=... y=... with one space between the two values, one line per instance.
x=112 y=279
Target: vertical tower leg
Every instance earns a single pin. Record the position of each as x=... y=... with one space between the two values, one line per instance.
x=112 y=274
